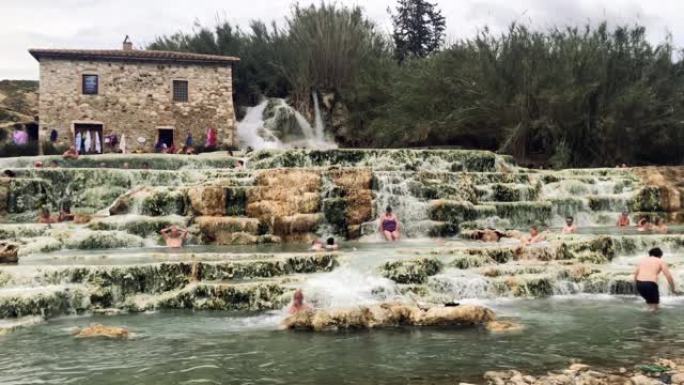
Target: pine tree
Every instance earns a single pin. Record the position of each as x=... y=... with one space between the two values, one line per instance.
x=418 y=29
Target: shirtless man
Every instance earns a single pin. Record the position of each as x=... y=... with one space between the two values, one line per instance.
x=534 y=237
x=623 y=219
x=174 y=236
x=569 y=227
x=298 y=303
x=646 y=277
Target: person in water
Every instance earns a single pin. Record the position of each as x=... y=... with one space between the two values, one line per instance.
x=569 y=227
x=646 y=277
x=660 y=226
x=45 y=217
x=330 y=244
x=389 y=225
x=316 y=245
x=623 y=219
x=534 y=237
x=298 y=303
x=174 y=236
x=644 y=224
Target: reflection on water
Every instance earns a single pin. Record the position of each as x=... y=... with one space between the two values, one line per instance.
x=224 y=348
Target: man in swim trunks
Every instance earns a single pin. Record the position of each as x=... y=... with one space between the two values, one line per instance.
x=646 y=277
x=389 y=225
x=174 y=236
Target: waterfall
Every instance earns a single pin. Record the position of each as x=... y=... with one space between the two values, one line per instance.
x=318 y=119
x=252 y=131
x=273 y=124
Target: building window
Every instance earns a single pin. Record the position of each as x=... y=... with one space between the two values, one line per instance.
x=180 y=90
x=90 y=84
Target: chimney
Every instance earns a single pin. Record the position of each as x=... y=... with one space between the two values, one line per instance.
x=127 y=45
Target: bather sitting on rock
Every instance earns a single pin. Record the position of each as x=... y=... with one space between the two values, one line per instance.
x=45 y=217
x=623 y=219
x=298 y=304
x=534 y=237
x=71 y=153
x=488 y=235
x=389 y=225
x=174 y=236
x=569 y=227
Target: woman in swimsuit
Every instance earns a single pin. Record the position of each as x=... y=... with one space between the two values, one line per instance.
x=389 y=225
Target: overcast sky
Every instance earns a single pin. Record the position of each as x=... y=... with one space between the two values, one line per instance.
x=28 y=24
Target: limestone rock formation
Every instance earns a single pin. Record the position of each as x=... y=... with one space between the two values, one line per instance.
x=207 y=200
x=8 y=252
x=99 y=330
x=387 y=315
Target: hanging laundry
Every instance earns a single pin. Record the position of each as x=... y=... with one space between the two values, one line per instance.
x=78 y=142
x=122 y=145
x=88 y=142
x=98 y=145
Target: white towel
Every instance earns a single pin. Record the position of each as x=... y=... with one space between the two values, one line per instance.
x=98 y=146
x=88 y=141
x=122 y=144
x=77 y=142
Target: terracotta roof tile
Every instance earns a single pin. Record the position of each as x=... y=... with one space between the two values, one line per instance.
x=131 y=55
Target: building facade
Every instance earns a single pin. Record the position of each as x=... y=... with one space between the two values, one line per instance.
x=145 y=96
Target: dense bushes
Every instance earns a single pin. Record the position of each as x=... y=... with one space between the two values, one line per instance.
x=563 y=97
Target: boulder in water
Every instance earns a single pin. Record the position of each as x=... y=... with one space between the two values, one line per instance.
x=9 y=252
x=387 y=315
x=99 y=330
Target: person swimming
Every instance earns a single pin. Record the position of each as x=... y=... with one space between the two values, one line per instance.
x=298 y=304
x=623 y=219
x=330 y=244
x=389 y=225
x=174 y=236
x=644 y=224
x=569 y=227
x=646 y=278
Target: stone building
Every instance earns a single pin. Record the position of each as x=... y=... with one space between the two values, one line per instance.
x=149 y=96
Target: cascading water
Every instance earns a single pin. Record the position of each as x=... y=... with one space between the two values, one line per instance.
x=273 y=124
x=252 y=131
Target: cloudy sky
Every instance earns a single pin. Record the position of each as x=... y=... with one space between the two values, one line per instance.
x=28 y=24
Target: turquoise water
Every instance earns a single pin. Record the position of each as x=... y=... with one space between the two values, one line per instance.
x=222 y=348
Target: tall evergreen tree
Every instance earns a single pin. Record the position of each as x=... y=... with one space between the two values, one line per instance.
x=418 y=29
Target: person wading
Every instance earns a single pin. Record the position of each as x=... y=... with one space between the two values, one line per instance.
x=646 y=277
x=389 y=225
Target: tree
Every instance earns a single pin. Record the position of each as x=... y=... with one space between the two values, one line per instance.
x=418 y=29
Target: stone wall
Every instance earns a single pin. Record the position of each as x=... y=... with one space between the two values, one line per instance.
x=136 y=99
